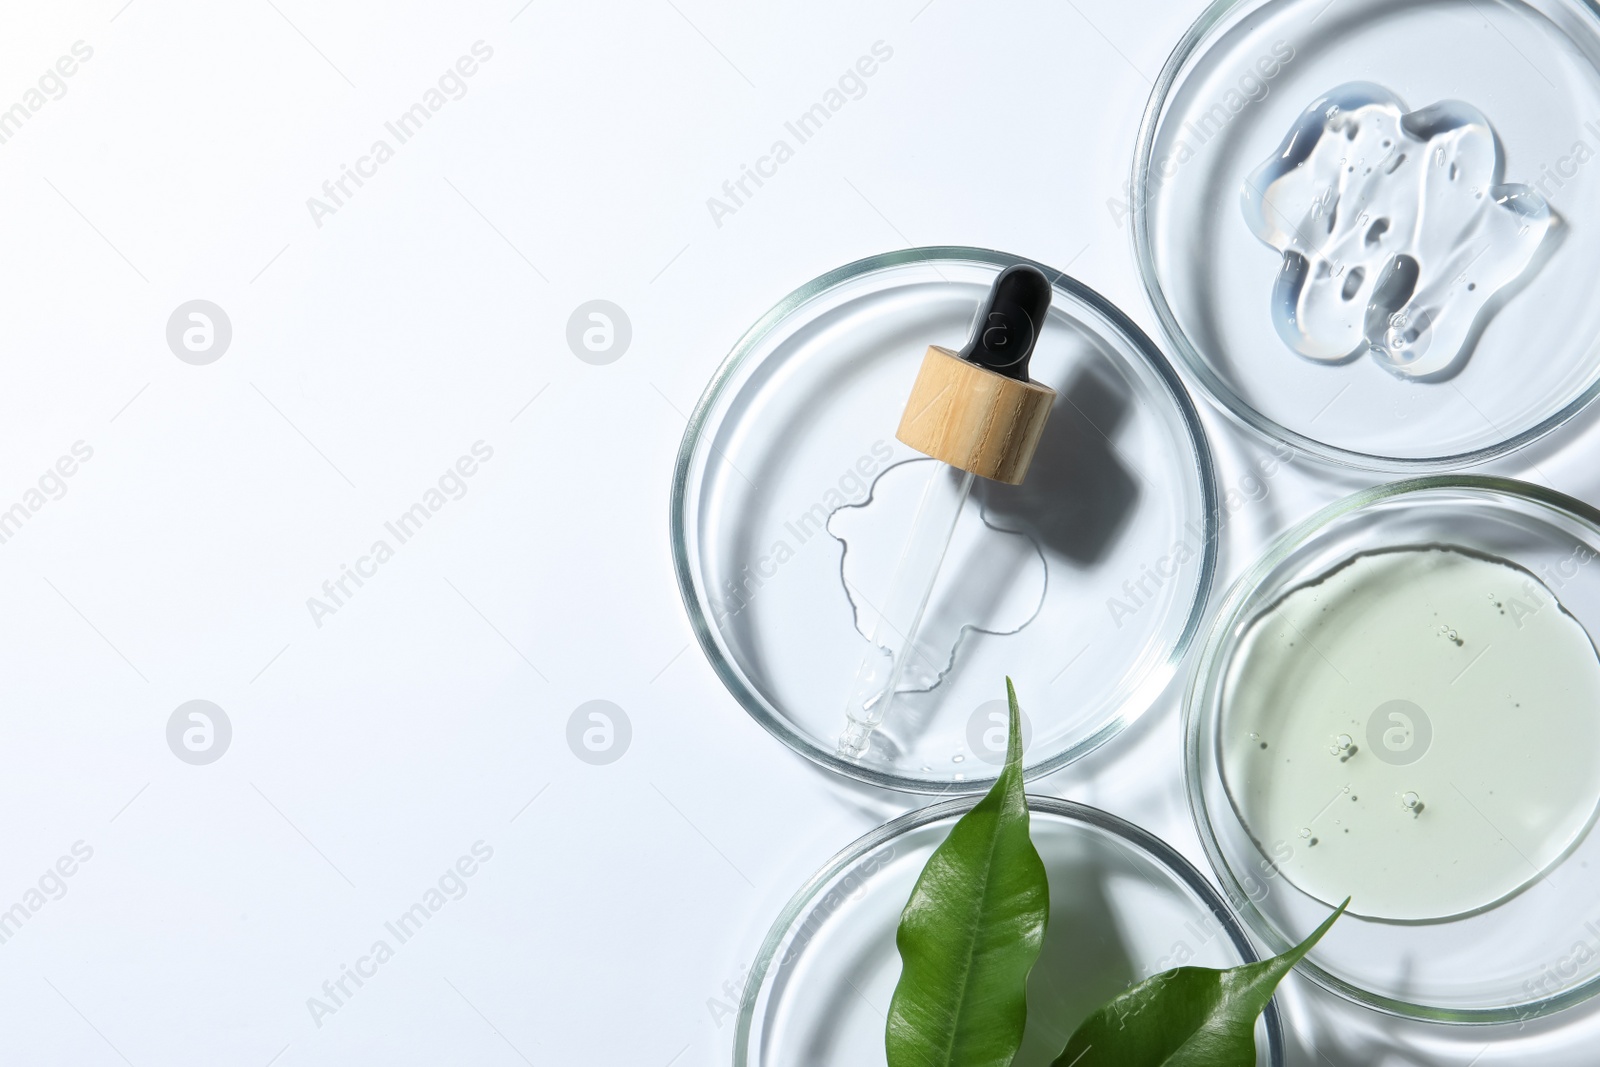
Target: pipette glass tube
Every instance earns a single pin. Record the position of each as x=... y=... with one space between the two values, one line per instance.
x=978 y=413
x=900 y=615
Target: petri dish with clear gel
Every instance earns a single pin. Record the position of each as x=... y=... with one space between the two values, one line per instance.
x=1123 y=906
x=1400 y=703
x=1367 y=227
x=792 y=497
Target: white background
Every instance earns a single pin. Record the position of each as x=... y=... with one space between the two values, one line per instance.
x=614 y=919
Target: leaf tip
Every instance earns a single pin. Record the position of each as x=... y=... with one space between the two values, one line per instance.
x=1300 y=951
x=1014 y=727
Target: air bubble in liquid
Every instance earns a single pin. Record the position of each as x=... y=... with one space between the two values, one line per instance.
x=1412 y=309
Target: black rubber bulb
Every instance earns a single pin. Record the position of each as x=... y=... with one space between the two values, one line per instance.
x=1009 y=322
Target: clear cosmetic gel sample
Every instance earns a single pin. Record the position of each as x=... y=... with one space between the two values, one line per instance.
x=1396 y=230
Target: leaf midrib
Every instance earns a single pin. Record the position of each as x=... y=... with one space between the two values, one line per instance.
x=981 y=902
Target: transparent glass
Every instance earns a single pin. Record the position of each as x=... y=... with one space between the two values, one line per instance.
x=1123 y=906
x=1240 y=81
x=792 y=501
x=1527 y=954
x=899 y=624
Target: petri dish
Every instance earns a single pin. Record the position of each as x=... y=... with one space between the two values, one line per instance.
x=1123 y=906
x=1284 y=258
x=1400 y=702
x=1084 y=585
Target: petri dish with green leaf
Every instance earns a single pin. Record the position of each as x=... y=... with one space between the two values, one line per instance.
x=1123 y=906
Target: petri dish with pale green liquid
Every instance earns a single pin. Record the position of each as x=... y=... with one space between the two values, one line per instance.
x=1400 y=703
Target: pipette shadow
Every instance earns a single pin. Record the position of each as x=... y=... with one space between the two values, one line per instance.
x=1078 y=494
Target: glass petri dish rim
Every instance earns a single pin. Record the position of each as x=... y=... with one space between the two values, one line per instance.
x=1141 y=343
x=1227 y=399
x=1208 y=663
x=1139 y=838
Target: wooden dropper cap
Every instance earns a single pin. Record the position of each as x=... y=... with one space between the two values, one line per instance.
x=977 y=409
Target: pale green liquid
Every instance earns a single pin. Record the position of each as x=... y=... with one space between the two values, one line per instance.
x=1331 y=767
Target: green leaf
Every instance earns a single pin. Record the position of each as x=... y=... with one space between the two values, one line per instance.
x=1188 y=1017
x=970 y=933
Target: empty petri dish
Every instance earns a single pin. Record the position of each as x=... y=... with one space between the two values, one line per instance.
x=1365 y=226
x=792 y=496
x=1123 y=906
x=1400 y=703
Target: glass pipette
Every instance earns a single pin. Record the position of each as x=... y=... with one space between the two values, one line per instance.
x=979 y=414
